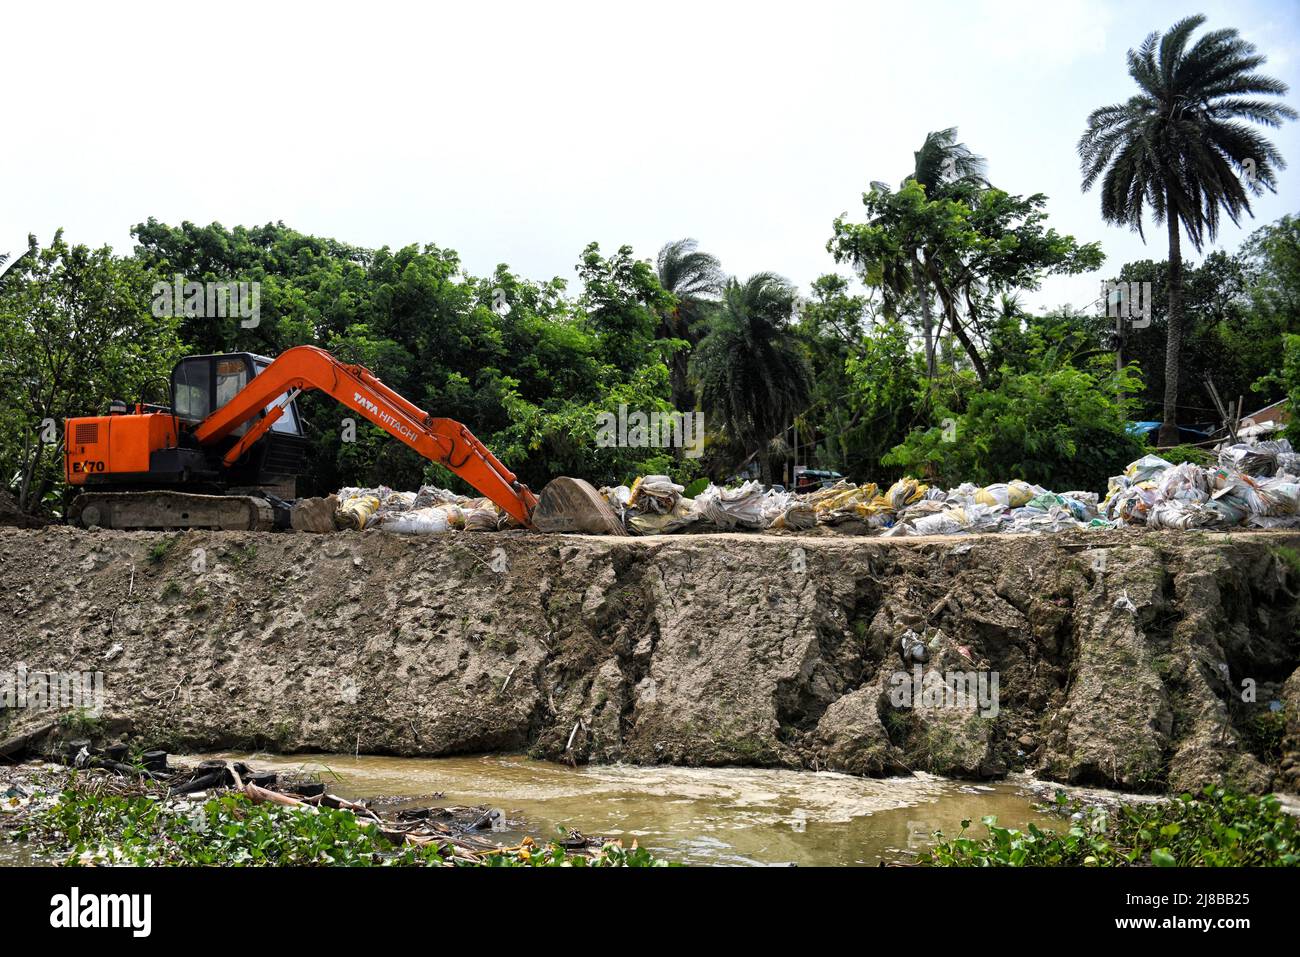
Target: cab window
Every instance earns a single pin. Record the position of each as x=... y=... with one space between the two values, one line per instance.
x=287 y=423
x=190 y=387
x=232 y=376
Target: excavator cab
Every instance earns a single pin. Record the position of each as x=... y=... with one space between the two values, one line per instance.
x=203 y=385
x=200 y=385
x=150 y=446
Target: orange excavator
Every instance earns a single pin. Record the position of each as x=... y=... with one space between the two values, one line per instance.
x=226 y=452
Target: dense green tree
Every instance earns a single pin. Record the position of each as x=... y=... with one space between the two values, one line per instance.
x=1286 y=380
x=1213 y=312
x=887 y=398
x=622 y=300
x=76 y=332
x=753 y=375
x=1182 y=148
x=943 y=163
x=1271 y=257
x=985 y=242
x=831 y=326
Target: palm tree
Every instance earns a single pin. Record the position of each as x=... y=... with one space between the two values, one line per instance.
x=940 y=164
x=942 y=161
x=753 y=376
x=695 y=278
x=1180 y=146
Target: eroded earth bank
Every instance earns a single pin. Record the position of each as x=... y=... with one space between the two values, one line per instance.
x=1143 y=661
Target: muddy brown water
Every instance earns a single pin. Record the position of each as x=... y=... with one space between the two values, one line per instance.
x=718 y=816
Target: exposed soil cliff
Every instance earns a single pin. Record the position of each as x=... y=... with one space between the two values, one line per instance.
x=1124 y=659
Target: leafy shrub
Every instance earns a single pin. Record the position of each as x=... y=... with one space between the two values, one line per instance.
x=1288 y=378
x=1062 y=428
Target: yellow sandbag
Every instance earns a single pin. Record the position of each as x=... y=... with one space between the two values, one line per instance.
x=798 y=517
x=1010 y=495
x=904 y=492
x=357 y=511
x=842 y=495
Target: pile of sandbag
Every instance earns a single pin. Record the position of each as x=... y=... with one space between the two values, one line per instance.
x=430 y=511
x=1014 y=506
x=654 y=504
x=1266 y=459
x=1253 y=485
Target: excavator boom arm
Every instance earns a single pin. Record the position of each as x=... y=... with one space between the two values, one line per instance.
x=441 y=440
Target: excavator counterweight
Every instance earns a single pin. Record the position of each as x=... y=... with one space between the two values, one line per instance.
x=232 y=438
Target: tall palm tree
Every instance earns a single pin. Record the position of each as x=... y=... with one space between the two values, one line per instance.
x=1180 y=146
x=942 y=162
x=753 y=376
x=695 y=278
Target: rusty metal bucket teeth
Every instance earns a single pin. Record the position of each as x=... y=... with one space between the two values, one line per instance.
x=572 y=505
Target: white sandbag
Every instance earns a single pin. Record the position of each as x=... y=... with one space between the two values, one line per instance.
x=1285 y=494
x=732 y=507
x=1173 y=514
x=655 y=493
x=949 y=522
x=432 y=495
x=1185 y=482
x=1146 y=468
x=433 y=520
x=683 y=514
x=1260 y=459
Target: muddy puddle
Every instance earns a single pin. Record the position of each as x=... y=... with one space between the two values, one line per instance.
x=733 y=816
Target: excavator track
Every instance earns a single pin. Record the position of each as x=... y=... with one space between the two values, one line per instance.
x=171 y=510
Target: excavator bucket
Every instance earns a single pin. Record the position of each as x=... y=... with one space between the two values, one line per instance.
x=572 y=505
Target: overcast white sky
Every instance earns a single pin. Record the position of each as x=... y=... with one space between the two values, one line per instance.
x=517 y=132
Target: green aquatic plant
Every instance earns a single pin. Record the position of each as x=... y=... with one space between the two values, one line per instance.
x=88 y=828
x=1216 y=829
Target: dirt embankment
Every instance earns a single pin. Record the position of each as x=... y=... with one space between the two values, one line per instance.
x=1123 y=659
